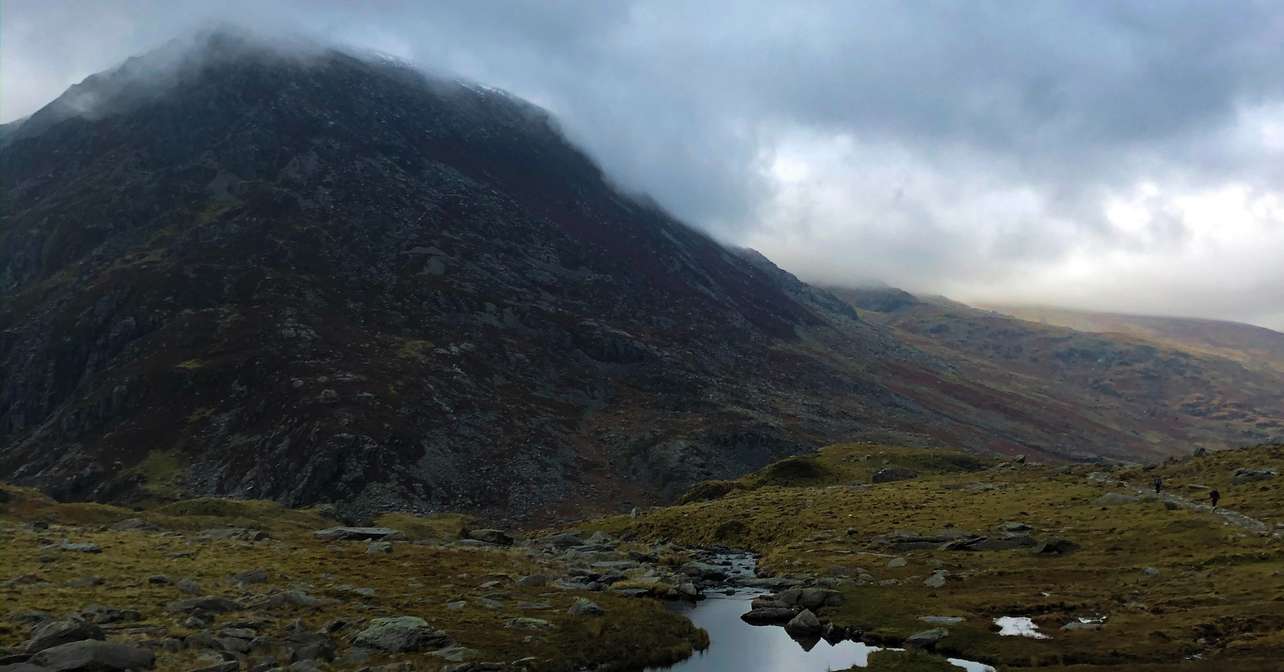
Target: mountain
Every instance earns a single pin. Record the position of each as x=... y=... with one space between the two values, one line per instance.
x=294 y=273
x=1252 y=345
x=1155 y=392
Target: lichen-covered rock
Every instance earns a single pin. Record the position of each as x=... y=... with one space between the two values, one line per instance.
x=400 y=634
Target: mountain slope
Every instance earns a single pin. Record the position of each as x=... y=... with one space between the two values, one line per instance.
x=313 y=276
x=308 y=276
x=1153 y=395
x=1254 y=346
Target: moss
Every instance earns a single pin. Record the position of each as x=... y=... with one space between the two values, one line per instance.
x=908 y=661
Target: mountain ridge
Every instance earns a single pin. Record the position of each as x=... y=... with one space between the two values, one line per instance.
x=336 y=279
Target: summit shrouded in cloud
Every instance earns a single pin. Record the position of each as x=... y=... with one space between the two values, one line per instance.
x=1111 y=156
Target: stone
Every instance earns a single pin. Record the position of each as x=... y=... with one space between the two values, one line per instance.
x=897 y=562
x=891 y=474
x=497 y=537
x=209 y=604
x=354 y=533
x=805 y=624
x=526 y=623
x=379 y=548
x=159 y=580
x=61 y=631
x=768 y=616
x=1150 y=571
x=233 y=534
x=585 y=607
x=533 y=581
x=454 y=654
x=936 y=580
x=189 y=586
x=1242 y=476
x=926 y=639
x=97 y=613
x=220 y=666
x=1013 y=526
x=94 y=656
x=1055 y=546
x=252 y=576
x=85 y=582
x=80 y=547
x=132 y=524
x=564 y=540
x=400 y=634
x=1080 y=625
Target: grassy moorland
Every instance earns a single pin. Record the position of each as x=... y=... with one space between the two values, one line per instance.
x=1175 y=583
x=147 y=560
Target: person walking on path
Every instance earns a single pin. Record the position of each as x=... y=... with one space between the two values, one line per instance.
x=1159 y=484
x=1214 y=496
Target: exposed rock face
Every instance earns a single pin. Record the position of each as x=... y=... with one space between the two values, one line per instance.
x=390 y=292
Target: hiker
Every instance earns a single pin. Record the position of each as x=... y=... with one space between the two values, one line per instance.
x=1215 y=496
x=1159 y=484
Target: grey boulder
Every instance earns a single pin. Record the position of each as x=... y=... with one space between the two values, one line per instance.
x=94 y=656
x=400 y=634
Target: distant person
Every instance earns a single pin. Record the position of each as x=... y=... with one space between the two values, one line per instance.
x=1159 y=484
x=1215 y=497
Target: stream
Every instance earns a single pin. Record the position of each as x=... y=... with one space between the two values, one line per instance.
x=735 y=645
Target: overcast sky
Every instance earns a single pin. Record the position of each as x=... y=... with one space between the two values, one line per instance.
x=1112 y=155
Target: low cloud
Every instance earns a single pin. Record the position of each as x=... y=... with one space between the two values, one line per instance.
x=1123 y=156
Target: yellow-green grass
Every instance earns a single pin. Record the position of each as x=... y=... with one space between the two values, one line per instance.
x=1215 y=581
x=416 y=579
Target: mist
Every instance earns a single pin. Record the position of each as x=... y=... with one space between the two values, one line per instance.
x=1113 y=156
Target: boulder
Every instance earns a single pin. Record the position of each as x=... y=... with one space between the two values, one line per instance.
x=80 y=547
x=354 y=533
x=1242 y=476
x=61 y=631
x=400 y=634
x=936 y=580
x=1080 y=625
x=768 y=616
x=496 y=537
x=890 y=474
x=584 y=607
x=941 y=620
x=94 y=656
x=805 y=624
x=232 y=534
x=926 y=639
x=1055 y=546
x=210 y=603
x=102 y=615
x=252 y=576
x=379 y=548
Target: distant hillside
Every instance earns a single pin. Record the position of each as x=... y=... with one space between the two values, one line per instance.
x=1162 y=393
x=1254 y=346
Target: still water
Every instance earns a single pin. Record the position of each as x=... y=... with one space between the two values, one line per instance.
x=736 y=646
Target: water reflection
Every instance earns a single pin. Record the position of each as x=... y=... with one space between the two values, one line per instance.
x=737 y=646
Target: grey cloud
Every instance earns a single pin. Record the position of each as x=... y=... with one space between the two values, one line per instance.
x=955 y=109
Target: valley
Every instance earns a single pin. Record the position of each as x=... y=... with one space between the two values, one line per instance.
x=891 y=546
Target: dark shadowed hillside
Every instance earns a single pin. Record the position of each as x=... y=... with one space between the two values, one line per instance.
x=318 y=277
